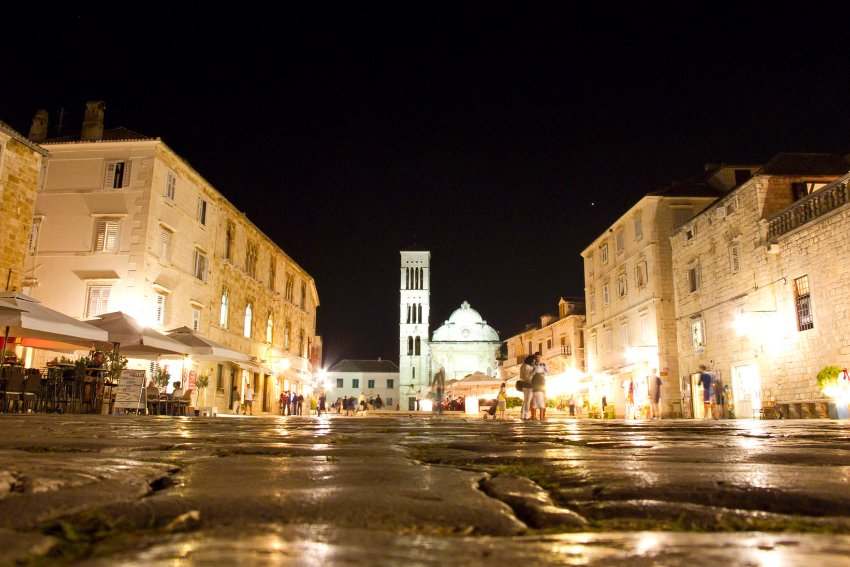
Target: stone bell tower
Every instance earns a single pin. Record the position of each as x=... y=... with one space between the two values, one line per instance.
x=415 y=307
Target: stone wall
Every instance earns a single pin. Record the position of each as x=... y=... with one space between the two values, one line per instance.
x=20 y=177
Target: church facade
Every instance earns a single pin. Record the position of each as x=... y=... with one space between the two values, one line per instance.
x=464 y=344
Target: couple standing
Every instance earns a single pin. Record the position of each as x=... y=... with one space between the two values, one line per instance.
x=532 y=379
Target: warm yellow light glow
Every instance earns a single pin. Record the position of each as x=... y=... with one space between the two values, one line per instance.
x=471 y=405
x=427 y=405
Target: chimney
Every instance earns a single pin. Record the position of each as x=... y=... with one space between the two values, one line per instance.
x=93 y=122
x=38 y=130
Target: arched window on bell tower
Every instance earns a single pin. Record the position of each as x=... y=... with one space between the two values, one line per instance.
x=419 y=313
x=418 y=349
x=410 y=345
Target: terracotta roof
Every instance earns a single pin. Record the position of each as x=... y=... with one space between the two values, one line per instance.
x=364 y=366
x=805 y=164
x=109 y=135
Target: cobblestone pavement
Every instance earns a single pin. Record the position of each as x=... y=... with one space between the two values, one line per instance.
x=422 y=491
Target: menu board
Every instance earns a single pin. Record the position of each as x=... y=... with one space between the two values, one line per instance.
x=130 y=391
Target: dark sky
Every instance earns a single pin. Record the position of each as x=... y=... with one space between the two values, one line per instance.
x=483 y=134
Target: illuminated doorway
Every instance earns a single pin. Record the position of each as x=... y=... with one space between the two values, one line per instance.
x=746 y=391
x=697 y=399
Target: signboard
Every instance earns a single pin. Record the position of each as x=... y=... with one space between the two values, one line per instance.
x=130 y=391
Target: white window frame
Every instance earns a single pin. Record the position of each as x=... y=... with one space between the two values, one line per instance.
x=606 y=295
x=107 y=223
x=620 y=240
x=603 y=251
x=99 y=288
x=690 y=232
x=110 y=168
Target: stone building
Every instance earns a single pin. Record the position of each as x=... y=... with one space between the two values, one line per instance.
x=559 y=339
x=372 y=378
x=414 y=314
x=761 y=281
x=123 y=223
x=631 y=323
x=21 y=164
x=465 y=344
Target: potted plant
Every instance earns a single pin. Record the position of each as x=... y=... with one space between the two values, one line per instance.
x=115 y=363
x=834 y=383
x=161 y=377
x=201 y=383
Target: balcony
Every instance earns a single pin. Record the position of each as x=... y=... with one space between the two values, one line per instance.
x=807 y=209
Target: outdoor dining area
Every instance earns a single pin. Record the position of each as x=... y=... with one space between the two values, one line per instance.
x=90 y=373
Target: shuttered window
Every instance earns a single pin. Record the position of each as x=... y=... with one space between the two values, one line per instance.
x=159 y=308
x=202 y=211
x=170 y=186
x=196 y=320
x=734 y=258
x=106 y=235
x=97 y=300
x=117 y=174
x=164 y=245
x=32 y=245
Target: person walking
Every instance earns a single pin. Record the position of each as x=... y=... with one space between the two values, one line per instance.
x=654 y=394
x=630 y=400
x=248 y=406
x=538 y=390
x=501 y=402
x=234 y=394
x=526 y=371
x=705 y=381
x=320 y=407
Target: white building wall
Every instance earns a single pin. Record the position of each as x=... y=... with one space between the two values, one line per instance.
x=388 y=394
x=414 y=370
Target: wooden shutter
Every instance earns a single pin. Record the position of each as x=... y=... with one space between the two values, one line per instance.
x=159 y=308
x=127 y=172
x=109 y=175
x=164 y=245
x=100 y=235
x=111 y=236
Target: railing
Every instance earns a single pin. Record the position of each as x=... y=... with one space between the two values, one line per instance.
x=807 y=209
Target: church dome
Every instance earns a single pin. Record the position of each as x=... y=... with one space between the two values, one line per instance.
x=466 y=325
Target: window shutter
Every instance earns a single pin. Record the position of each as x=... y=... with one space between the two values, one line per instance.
x=100 y=235
x=111 y=237
x=109 y=175
x=164 y=245
x=127 y=172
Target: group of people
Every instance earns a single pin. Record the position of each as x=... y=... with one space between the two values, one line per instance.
x=532 y=384
x=350 y=405
x=714 y=395
x=291 y=403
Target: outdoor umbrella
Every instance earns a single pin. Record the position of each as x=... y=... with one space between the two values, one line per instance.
x=135 y=339
x=203 y=348
x=41 y=327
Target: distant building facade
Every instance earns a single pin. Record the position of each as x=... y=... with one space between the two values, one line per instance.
x=372 y=378
x=21 y=167
x=465 y=344
x=559 y=339
x=126 y=224
x=631 y=321
x=761 y=288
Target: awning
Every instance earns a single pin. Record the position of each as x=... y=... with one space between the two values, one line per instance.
x=207 y=349
x=135 y=339
x=43 y=327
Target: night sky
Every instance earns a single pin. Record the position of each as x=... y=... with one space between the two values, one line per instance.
x=502 y=141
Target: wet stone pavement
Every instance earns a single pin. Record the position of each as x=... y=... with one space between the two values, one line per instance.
x=422 y=491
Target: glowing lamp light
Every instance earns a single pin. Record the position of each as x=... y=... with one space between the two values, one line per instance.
x=471 y=403
x=427 y=405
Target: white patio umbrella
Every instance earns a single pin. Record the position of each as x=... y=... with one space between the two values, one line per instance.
x=39 y=326
x=205 y=349
x=136 y=340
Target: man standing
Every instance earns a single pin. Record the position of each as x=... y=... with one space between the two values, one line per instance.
x=654 y=394
x=248 y=408
x=538 y=389
x=705 y=382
